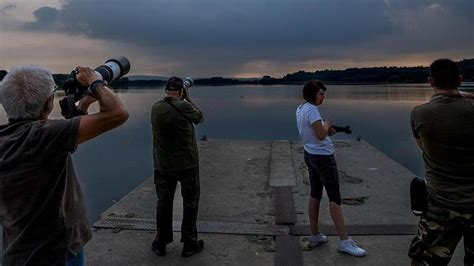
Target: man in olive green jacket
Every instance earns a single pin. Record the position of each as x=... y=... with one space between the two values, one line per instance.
x=176 y=158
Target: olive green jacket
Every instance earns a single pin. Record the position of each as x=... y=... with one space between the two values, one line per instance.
x=174 y=141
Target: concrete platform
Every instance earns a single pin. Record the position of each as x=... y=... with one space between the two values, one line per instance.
x=129 y=247
x=253 y=210
x=108 y=248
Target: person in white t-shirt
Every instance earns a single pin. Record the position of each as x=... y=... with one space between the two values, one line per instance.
x=322 y=167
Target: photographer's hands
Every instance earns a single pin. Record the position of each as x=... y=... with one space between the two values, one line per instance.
x=331 y=131
x=85 y=75
x=185 y=96
x=328 y=127
x=85 y=102
x=322 y=129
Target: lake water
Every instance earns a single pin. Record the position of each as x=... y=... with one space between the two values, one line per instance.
x=113 y=164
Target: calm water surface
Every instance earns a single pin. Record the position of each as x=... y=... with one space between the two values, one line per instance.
x=113 y=164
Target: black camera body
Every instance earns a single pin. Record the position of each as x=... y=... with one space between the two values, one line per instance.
x=74 y=92
x=418 y=196
x=346 y=129
x=111 y=70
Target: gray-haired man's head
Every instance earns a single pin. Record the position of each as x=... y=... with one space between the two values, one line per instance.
x=25 y=91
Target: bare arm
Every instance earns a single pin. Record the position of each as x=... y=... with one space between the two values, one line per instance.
x=467 y=94
x=322 y=131
x=112 y=111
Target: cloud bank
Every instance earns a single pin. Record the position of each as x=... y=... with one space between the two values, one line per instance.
x=215 y=37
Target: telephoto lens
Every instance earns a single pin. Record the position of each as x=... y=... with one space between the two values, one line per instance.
x=113 y=69
x=188 y=83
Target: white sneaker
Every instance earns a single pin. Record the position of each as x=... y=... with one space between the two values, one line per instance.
x=350 y=247
x=317 y=240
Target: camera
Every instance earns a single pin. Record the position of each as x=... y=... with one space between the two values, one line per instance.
x=188 y=83
x=111 y=70
x=346 y=129
x=418 y=196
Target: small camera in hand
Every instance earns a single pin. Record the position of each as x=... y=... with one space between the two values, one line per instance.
x=346 y=129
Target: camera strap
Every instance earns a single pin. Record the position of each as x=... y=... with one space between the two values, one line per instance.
x=179 y=111
x=71 y=103
x=72 y=110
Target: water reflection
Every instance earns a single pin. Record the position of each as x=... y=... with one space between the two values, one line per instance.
x=113 y=164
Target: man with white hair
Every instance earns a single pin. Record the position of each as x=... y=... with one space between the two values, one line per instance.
x=42 y=210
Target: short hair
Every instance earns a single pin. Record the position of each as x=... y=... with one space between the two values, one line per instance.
x=25 y=90
x=311 y=88
x=444 y=73
x=174 y=84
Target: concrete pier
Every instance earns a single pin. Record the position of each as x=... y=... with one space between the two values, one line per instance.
x=253 y=210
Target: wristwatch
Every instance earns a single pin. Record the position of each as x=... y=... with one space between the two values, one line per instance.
x=92 y=90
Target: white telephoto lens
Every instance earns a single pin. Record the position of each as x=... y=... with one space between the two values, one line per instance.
x=99 y=76
x=188 y=82
x=115 y=69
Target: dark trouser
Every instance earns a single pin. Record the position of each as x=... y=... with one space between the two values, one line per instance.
x=165 y=184
x=322 y=171
x=439 y=231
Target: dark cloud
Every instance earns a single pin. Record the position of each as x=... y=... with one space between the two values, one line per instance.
x=226 y=24
x=46 y=14
x=6 y=7
x=46 y=17
x=6 y=21
x=433 y=25
x=222 y=36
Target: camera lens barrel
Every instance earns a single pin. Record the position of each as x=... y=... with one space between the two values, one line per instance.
x=188 y=83
x=113 y=69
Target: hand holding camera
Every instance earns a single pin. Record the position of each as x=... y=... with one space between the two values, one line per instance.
x=187 y=84
x=333 y=129
x=85 y=76
x=185 y=95
x=85 y=102
x=84 y=80
x=327 y=124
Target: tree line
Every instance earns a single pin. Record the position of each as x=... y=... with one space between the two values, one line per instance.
x=384 y=74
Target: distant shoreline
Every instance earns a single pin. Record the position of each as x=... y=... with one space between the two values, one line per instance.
x=394 y=76
x=400 y=84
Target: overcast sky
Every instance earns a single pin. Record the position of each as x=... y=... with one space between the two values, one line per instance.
x=234 y=38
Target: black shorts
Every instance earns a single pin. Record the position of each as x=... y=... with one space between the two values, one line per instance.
x=322 y=171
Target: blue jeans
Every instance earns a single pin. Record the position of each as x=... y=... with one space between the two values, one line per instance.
x=75 y=260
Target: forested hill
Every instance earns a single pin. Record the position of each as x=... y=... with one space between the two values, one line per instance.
x=347 y=76
x=376 y=74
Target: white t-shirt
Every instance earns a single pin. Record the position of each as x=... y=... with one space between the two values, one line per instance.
x=307 y=114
